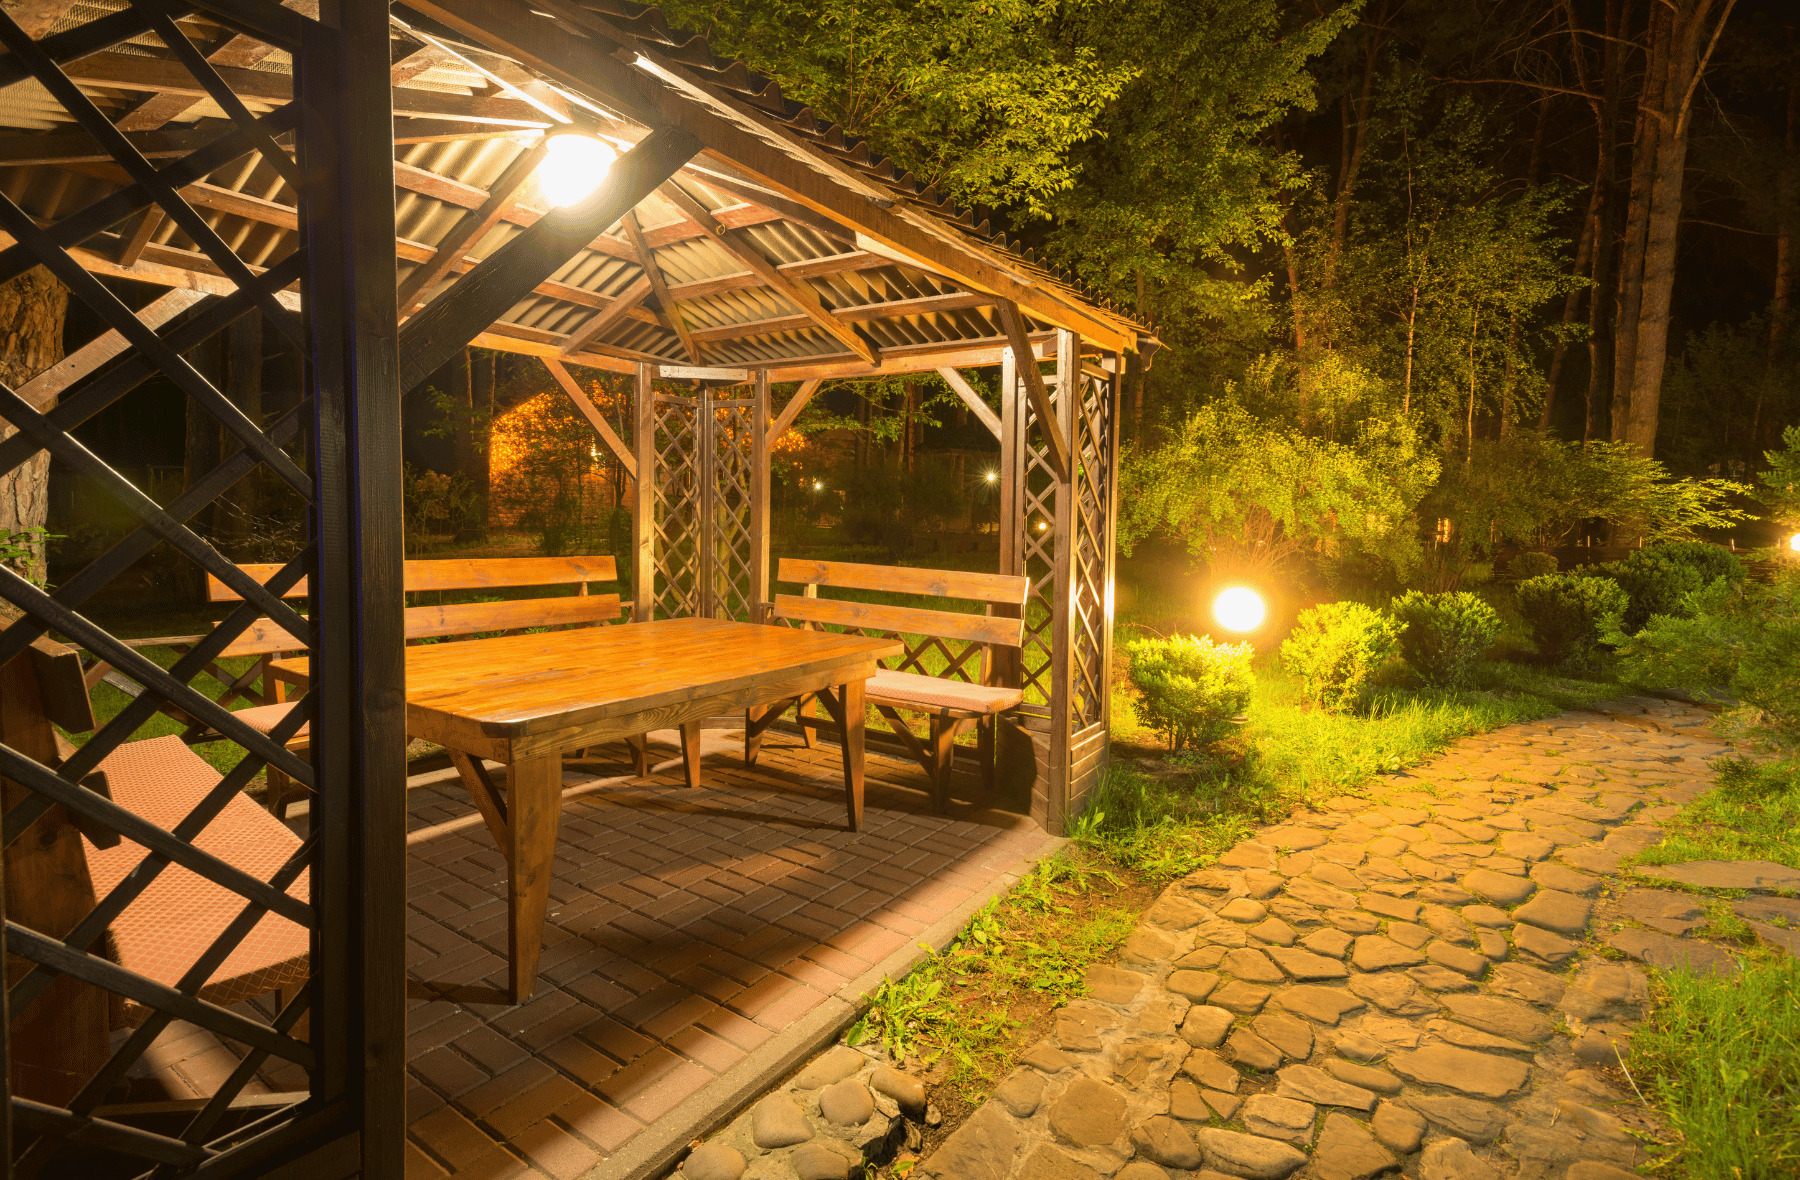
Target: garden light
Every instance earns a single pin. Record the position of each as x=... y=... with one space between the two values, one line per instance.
x=818 y=485
x=994 y=475
x=1794 y=542
x=573 y=167
x=1239 y=609
x=1042 y=525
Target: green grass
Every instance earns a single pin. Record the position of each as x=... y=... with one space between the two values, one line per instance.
x=109 y=702
x=1721 y=1059
x=1753 y=814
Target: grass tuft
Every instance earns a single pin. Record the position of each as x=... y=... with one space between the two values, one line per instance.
x=1753 y=814
x=1722 y=1062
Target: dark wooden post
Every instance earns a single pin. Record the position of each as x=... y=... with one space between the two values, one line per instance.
x=1062 y=538
x=358 y=667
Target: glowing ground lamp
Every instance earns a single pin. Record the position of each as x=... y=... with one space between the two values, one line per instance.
x=1794 y=542
x=574 y=166
x=1239 y=608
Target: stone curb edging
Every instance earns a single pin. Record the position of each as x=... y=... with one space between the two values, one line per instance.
x=656 y=1150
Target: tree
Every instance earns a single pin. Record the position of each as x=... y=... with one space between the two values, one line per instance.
x=32 y=308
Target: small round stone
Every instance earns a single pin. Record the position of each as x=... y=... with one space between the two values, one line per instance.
x=1242 y=909
x=815 y=1161
x=713 y=1161
x=847 y=1104
x=778 y=1121
x=903 y=1088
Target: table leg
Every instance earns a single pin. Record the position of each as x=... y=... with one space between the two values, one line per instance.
x=690 y=752
x=640 y=755
x=533 y=810
x=851 y=697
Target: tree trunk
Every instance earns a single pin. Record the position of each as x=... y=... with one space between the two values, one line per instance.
x=1355 y=116
x=1680 y=43
x=1601 y=302
x=1571 y=303
x=1787 y=190
x=32 y=308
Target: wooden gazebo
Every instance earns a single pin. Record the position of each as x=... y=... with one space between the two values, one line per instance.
x=301 y=164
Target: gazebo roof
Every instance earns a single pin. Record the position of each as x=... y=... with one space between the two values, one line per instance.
x=781 y=246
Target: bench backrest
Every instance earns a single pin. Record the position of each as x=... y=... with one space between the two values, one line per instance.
x=463 y=618
x=1002 y=626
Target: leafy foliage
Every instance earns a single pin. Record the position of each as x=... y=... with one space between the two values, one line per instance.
x=1191 y=686
x=1744 y=637
x=1445 y=634
x=1337 y=649
x=1653 y=584
x=1781 y=482
x=1531 y=564
x=1712 y=561
x=1568 y=615
x=1249 y=496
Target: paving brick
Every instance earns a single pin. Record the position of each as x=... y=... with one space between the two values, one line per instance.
x=450 y=1136
x=654 y=1084
x=448 y=1072
x=531 y=1106
x=420 y=1166
x=490 y=1096
x=552 y=1148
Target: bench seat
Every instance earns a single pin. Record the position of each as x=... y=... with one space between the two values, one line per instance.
x=264 y=718
x=166 y=929
x=911 y=690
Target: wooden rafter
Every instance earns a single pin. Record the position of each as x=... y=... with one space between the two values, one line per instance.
x=1054 y=443
x=792 y=410
x=238 y=50
x=660 y=288
x=473 y=226
x=797 y=292
x=159 y=76
x=42 y=391
x=618 y=309
x=853 y=313
x=595 y=418
x=133 y=249
x=38 y=17
x=426 y=57
x=970 y=398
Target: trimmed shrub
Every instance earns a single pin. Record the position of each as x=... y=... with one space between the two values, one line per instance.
x=1710 y=560
x=1531 y=564
x=1654 y=584
x=1337 y=649
x=1566 y=613
x=1191 y=687
x=1445 y=634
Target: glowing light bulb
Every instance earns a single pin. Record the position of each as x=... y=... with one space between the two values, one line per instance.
x=1042 y=525
x=1794 y=542
x=574 y=166
x=992 y=476
x=1239 y=609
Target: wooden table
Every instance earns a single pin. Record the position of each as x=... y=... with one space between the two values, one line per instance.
x=526 y=700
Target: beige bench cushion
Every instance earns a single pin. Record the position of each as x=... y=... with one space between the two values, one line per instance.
x=170 y=924
x=911 y=690
x=264 y=719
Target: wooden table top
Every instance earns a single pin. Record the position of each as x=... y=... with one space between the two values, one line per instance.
x=518 y=685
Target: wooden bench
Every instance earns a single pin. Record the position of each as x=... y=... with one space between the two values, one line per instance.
x=954 y=698
x=266 y=641
x=56 y=872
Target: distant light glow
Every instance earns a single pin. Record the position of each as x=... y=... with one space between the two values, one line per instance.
x=992 y=476
x=1240 y=609
x=818 y=485
x=574 y=166
x=1042 y=525
x=1794 y=542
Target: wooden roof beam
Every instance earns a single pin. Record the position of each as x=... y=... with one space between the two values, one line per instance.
x=855 y=313
x=977 y=406
x=602 y=320
x=595 y=418
x=472 y=227
x=660 y=288
x=792 y=410
x=486 y=293
x=1056 y=446
x=796 y=290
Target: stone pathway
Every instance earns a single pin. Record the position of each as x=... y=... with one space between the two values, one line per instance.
x=1435 y=981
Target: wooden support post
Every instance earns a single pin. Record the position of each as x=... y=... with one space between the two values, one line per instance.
x=643 y=516
x=1062 y=590
x=1002 y=666
x=595 y=418
x=970 y=398
x=760 y=440
x=1056 y=439
x=794 y=405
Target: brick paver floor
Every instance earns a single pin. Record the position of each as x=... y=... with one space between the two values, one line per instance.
x=686 y=929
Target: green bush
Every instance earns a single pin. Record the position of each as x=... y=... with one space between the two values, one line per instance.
x=1566 y=613
x=1337 y=649
x=1531 y=564
x=1445 y=634
x=1654 y=585
x=1712 y=561
x=1191 y=686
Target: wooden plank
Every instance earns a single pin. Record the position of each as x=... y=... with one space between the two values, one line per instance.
x=970 y=398
x=906 y=620
x=810 y=268
x=426 y=57
x=794 y=405
x=62 y=685
x=473 y=226
x=643 y=526
x=760 y=437
x=38 y=17
x=911 y=358
x=598 y=421
x=43 y=390
x=468 y=573
x=898 y=579
x=493 y=287
x=796 y=291
x=1056 y=442
x=617 y=310
x=166 y=76
x=490 y=801
x=653 y=272
x=856 y=313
